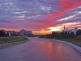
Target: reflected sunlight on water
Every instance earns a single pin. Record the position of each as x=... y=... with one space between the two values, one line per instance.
x=38 y=49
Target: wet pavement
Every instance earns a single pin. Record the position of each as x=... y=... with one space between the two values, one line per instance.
x=38 y=49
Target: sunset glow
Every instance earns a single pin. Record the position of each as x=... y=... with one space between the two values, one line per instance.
x=40 y=16
x=55 y=28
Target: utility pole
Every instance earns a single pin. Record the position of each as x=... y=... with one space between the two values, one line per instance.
x=64 y=27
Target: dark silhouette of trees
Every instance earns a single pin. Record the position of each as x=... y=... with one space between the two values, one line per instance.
x=2 y=33
x=78 y=32
x=55 y=34
x=63 y=35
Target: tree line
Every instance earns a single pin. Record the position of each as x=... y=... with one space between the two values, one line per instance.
x=59 y=35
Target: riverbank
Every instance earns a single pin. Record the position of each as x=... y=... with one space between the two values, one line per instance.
x=75 y=40
x=74 y=46
x=8 y=41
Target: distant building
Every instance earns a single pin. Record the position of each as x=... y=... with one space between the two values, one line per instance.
x=12 y=33
x=24 y=32
x=64 y=30
x=74 y=31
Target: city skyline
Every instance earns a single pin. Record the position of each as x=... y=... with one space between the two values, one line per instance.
x=40 y=16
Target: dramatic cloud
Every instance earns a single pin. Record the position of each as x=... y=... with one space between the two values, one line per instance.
x=39 y=16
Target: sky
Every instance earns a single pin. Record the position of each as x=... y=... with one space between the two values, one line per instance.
x=40 y=16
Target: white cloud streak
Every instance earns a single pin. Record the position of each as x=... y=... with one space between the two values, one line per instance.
x=70 y=17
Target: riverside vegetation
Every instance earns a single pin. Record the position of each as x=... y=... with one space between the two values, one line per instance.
x=5 y=37
x=4 y=40
x=69 y=37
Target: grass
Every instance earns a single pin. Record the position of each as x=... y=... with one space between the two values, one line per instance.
x=13 y=39
x=75 y=40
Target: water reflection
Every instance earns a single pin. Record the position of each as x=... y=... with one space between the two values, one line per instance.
x=38 y=49
x=52 y=50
